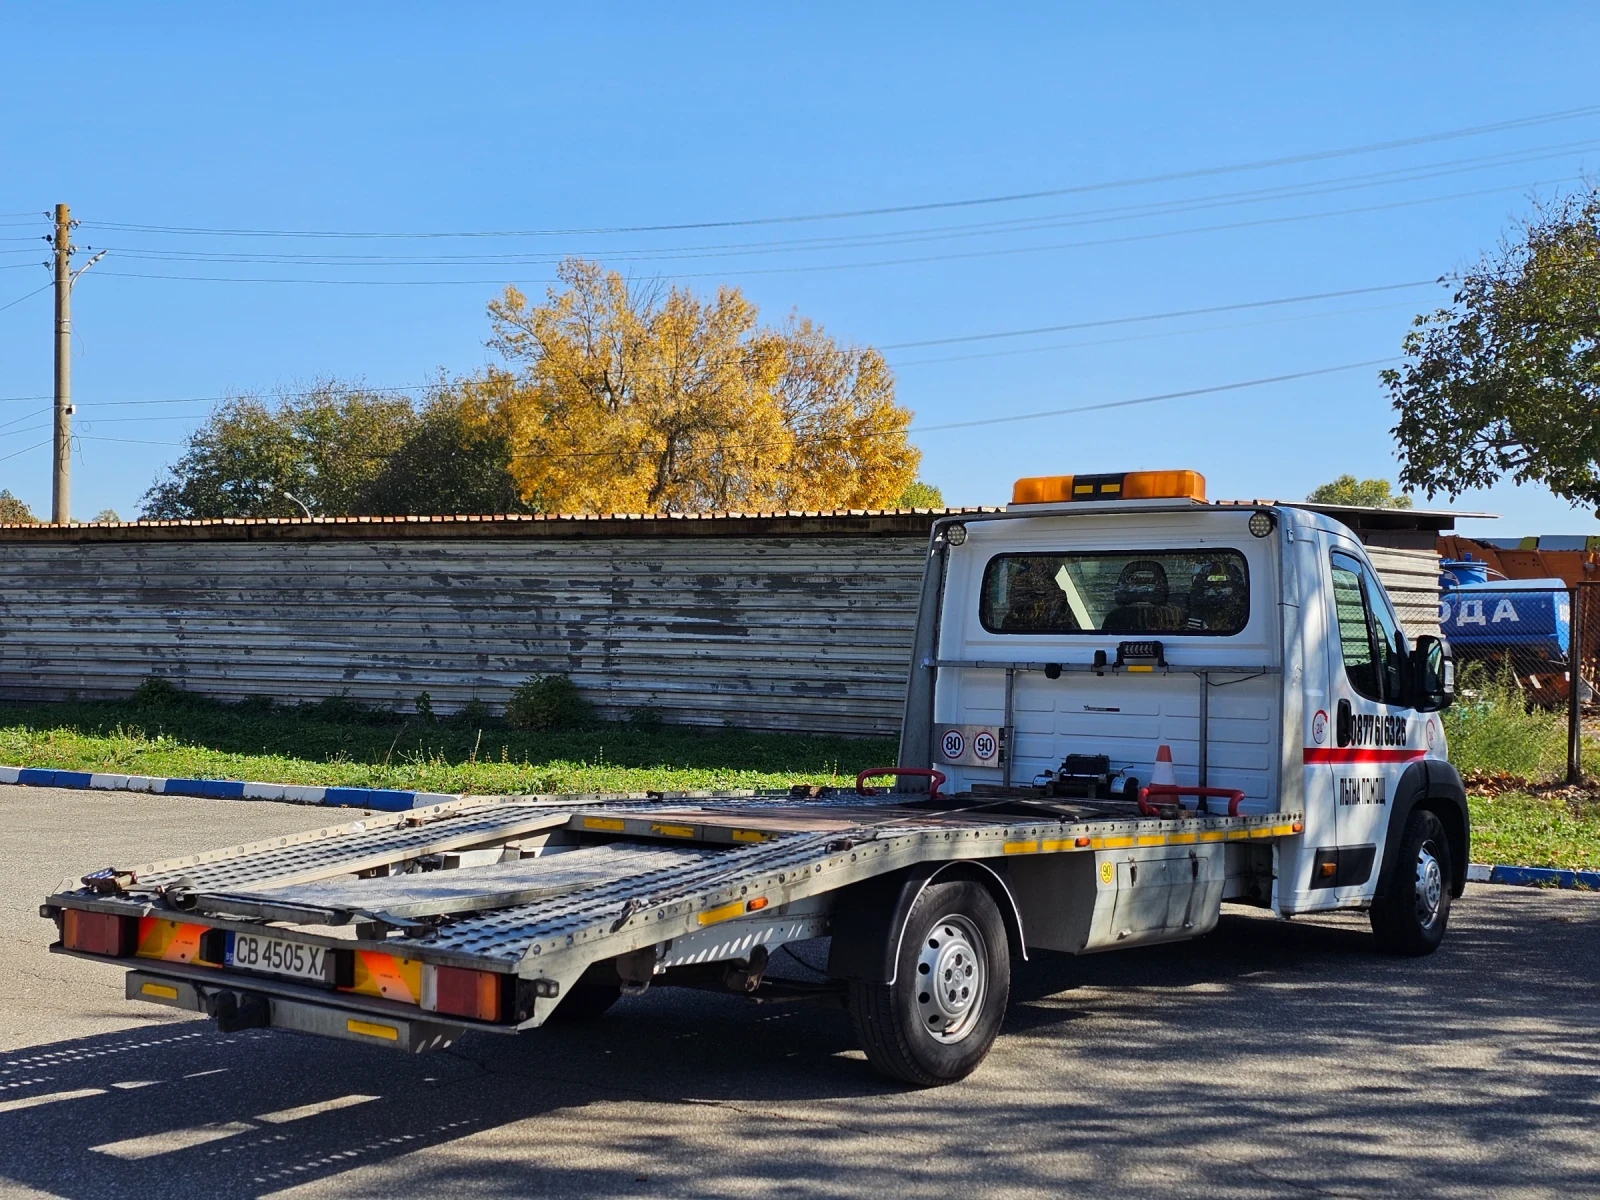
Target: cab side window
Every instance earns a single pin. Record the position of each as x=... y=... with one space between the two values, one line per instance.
x=1387 y=636
x=1356 y=641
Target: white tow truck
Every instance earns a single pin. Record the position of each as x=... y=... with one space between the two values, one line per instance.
x=1064 y=648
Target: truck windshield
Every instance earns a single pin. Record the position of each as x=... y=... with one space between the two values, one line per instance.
x=1202 y=592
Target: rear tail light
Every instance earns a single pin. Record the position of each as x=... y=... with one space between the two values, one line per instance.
x=463 y=993
x=99 y=933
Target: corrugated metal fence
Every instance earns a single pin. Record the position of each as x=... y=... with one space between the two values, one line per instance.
x=787 y=621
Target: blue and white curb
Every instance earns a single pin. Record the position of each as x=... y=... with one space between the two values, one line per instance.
x=1533 y=876
x=378 y=799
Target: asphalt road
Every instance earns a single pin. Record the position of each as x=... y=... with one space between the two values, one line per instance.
x=1271 y=1058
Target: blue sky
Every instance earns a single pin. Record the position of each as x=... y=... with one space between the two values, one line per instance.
x=411 y=119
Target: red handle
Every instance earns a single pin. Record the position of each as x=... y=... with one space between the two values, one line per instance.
x=936 y=778
x=1232 y=795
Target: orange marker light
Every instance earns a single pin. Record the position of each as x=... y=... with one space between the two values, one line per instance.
x=1130 y=485
x=756 y=905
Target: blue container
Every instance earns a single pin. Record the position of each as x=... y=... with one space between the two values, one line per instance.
x=1497 y=617
x=1465 y=571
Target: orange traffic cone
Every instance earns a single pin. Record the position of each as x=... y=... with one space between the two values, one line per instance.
x=1162 y=772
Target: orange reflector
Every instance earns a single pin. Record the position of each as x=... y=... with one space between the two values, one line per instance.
x=756 y=905
x=1328 y=868
x=462 y=992
x=98 y=933
x=1298 y=827
x=1083 y=841
x=1130 y=485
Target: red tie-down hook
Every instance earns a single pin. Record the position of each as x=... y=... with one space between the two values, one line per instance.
x=1233 y=796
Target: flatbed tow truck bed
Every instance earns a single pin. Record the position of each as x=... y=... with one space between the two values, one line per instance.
x=487 y=913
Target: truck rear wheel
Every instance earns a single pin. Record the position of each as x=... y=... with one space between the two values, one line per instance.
x=935 y=1023
x=1411 y=917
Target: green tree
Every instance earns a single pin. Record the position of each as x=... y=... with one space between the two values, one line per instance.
x=456 y=459
x=14 y=511
x=1365 y=493
x=1506 y=381
x=920 y=495
x=324 y=447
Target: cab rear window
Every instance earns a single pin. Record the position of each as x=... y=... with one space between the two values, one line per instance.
x=1198 y=592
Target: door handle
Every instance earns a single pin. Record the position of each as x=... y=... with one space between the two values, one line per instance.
x=1344 y=724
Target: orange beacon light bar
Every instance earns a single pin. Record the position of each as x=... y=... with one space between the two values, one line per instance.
x=1130 y=485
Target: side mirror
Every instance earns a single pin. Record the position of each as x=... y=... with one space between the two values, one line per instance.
x=1433 y=674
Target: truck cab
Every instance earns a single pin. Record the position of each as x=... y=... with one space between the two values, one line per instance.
x=1101 y=623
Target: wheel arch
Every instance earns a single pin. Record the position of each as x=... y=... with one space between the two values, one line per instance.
x=869 y=920
x=1435 y=786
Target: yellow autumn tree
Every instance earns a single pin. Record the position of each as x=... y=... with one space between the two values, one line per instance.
x=626 y=398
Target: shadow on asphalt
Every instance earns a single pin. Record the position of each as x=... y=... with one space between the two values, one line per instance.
x=1126 y=1054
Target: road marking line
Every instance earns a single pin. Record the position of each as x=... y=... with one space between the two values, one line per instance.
x=284 y=1115
x=172 y=1140
x=48 y=1098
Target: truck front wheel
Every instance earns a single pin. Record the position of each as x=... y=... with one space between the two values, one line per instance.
x=935 y=1023
x=1415 y=908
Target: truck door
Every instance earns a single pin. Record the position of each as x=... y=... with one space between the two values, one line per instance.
x=1372 y=731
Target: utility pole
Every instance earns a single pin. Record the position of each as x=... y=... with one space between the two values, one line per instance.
x=61 y=492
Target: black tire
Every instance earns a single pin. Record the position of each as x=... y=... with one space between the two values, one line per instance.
x=1411 y=918
x=916 y=1035
x=585 y=1002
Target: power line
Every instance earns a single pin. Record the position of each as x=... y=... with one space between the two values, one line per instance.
x=1121 y=239
x=1030 y=416
x=1407 y=174
x=1187 y=393
x=1171 y=314
x=890 y=210
x=28 y=296
x=1186 y=331
x=1162 y=316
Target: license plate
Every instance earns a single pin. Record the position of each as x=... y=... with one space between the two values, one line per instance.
x=274 y=956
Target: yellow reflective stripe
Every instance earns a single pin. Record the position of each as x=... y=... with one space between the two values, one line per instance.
x=685 y=831
x=1151 y=840
x=610 y=824
x=1211 y=835
x=712 y=915
x=1180 y=839
x=1282 y=830
x=749 y=835
x=165 y=991
x=1049 y=844
x=1235 y=835
x=1132 y=669
x=1020 y=847
x=1113 y=843
x=370 y=1029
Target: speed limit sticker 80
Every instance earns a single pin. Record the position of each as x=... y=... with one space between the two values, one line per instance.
x=970 y=745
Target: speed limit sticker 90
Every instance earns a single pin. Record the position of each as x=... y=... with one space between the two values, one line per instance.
x=971 y=745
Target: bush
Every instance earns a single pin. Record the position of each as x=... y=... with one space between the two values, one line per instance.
x=545 y=702
x=647 y=718
x=474 y=714
x=156 y=692
x=1491 y=729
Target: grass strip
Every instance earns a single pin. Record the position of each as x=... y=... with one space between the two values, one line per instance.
x=341 y=745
